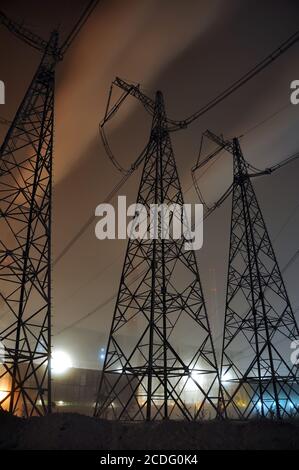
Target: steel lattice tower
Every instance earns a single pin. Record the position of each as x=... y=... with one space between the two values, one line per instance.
x=257 y=374
x=160 y=347
x=25 y=246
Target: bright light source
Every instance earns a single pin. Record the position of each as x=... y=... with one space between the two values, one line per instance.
x=102 y=354
x=226 y=376
x=193 y=381
x=3 y=395
x=61 y=362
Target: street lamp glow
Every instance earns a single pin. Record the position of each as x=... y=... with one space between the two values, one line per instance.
x=61 y=362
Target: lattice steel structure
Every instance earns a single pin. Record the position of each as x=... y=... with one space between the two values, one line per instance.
x=257 y=375
x=160 y=361
x=25 y=246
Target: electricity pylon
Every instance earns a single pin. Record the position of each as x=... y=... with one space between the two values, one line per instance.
x=25 y=237
x=160 y=361
x=257 y=374
x=25 y=246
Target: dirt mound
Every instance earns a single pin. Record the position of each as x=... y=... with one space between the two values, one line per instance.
x=74 y=431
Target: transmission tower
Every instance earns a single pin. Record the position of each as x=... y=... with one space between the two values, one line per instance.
x=25 y=222
x=160 y=354
x=25 y=246
x=257 y=375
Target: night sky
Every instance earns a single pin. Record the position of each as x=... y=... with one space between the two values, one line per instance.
x=191 y=50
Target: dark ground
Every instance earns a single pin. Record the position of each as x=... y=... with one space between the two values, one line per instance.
x=74 y=431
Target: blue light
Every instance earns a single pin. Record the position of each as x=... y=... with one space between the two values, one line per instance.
x=101 y=355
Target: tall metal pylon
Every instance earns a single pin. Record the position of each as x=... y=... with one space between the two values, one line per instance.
x=160 y=361
x=257 y=374
x=25 y=246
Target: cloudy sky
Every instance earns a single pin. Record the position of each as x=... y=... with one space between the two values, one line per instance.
x=191 y=50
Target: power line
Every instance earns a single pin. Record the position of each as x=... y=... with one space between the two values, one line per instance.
x=90 y=220
x=268 y=118
x=129 y=173
x=89 y=314
x=284 y=162
x=214 y=156
x=133 y=167
x=110 y=196
x=291 y=261
x=211 y=210
x=113 y=296
x=289 y=218
x=38 y=42
x=79 y=25
x=235 y=86
x=280 y=50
